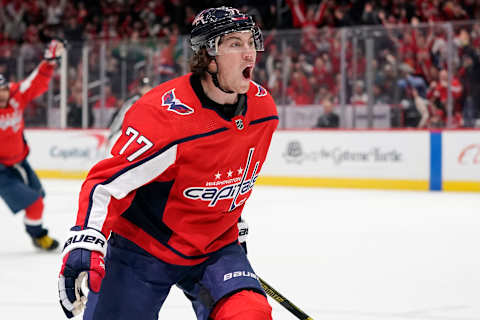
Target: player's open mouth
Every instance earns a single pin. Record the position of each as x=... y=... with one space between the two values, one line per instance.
x=247 y=73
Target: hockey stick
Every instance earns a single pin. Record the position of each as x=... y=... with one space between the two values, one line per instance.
x=284 y=301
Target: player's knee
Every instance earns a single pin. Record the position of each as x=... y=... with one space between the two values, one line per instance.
x=35 y=210
x=243 y=305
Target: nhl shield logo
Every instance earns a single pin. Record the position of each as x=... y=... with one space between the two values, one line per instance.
x=239 y=124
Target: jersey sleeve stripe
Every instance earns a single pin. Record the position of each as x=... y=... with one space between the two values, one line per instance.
x=264 y=119
x=123 y=183
x=27 y=83
x=131 y=178
x=201 y=135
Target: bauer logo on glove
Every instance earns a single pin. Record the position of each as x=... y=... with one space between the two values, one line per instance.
x=54 y=50
x=84 y=238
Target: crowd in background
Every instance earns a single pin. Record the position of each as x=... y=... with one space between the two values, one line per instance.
x=301 y=63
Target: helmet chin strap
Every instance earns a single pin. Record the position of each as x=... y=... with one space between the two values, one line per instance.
x=215 y=80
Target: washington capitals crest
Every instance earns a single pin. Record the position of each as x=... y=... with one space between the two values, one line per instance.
x=169 y=100
x=261 y=92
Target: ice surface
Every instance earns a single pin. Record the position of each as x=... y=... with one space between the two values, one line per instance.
x=336 y=254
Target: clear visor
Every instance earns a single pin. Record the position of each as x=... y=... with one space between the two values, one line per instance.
x=236 y=42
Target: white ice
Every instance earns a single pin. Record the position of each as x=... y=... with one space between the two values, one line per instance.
x=336 y=254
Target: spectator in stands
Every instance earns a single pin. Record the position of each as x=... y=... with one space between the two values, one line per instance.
x=54 y=12
x=103 y=115
x=275 y=84
x=438 y=90
x=328 y=119
x=370 y=15
x=300 y=91
x=165 y=58
x=297 y=8
x=322 y=71
x=409 y=79
x=74 y=107
x=12 y=16
x=452 y=10
x=324 y=93
x=379 y=95
x=274 y=59
x=470 y=79
x=31 y=48
x=308 y=20
x=110 y=99
x=421 y=104
x=73 y=32
x=359 y=97
x=423 y=60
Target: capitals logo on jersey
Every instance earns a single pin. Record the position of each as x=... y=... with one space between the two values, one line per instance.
x=231 y=188
x=261 y=92
x=13 y=119
x=169 y=100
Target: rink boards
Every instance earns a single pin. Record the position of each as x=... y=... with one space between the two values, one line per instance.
x=381 y=159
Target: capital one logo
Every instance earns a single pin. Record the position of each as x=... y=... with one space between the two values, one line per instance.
x=470 y=155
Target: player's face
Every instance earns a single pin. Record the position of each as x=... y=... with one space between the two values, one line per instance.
x=236 y=60
x=4 y=95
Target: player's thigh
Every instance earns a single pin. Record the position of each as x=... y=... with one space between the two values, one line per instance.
x=33 y=180
x=226 y=273
x=135 y=287
x=13 y=190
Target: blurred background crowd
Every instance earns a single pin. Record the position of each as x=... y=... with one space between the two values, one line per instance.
x=418 y=59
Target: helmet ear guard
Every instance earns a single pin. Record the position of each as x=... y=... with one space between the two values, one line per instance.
x=210 y=25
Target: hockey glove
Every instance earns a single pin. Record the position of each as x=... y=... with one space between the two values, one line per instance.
x=242 y=233
x=54 y=50
x=82 y=261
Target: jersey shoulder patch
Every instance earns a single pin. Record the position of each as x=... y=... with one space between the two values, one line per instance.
x=261 y=100
x=174 y=104
x=260 y=91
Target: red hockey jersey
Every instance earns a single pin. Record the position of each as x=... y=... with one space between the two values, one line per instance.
x=14 y=148
x=180 y=173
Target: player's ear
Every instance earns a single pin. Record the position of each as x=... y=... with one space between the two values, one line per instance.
x=212 y=66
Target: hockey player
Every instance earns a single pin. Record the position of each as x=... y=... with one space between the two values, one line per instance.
x=20 y=187
x=170 y=197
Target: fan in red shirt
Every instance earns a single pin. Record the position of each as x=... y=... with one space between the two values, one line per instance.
x=20 y=187
x=170 y=198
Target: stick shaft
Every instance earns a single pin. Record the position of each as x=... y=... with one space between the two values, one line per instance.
x=284 y=301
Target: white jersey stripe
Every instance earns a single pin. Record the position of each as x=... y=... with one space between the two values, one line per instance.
x=125 y=183
x=27 y=83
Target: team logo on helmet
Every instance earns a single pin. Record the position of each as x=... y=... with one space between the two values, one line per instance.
x=169 y=100
x=214 y=14
x=213 y=23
